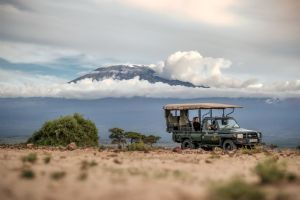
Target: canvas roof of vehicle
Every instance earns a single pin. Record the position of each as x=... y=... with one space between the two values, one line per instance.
x=194 y=106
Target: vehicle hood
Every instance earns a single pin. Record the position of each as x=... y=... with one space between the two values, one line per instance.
x=241 y=130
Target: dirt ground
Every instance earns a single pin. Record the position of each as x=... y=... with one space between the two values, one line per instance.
x=107 y=174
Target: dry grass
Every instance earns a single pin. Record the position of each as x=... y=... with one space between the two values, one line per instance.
x=134 y=175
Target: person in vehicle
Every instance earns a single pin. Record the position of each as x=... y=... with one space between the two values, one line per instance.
x=196 y=124
x=184 y=120
x=173 y=121
x=211 y=125
x=214 y=125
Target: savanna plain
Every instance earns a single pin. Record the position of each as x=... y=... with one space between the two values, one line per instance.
x=51 y=173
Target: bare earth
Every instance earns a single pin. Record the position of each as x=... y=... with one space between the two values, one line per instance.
x=158 y=174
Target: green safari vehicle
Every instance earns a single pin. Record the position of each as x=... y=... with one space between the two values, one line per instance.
x=207 y=131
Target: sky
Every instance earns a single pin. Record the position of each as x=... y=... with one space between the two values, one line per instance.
x=240 y=48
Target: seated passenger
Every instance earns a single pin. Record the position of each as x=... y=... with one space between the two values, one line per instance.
x=196 y=124
x=183 y=120
x=214 y=126
x=173 y=121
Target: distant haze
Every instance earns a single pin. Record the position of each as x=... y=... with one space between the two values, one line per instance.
x=277 y=120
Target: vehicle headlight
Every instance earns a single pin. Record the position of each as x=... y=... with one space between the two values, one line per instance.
x=240 y=136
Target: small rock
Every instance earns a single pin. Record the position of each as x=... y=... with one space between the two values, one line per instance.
x=72 y=146
x=177 y=150
x=29 y=145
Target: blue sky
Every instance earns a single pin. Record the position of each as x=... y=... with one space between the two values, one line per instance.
x=232 y=41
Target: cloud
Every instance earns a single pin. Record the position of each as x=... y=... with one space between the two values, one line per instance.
x=285 y=86
x=17 y=52
x=191 y=66
x=20 y=78
x=144 y=31
x=27 y=85
x=212 y=12
x=186 y=66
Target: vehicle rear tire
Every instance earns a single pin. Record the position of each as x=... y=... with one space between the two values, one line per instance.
x=187 y=144
x=228 y=145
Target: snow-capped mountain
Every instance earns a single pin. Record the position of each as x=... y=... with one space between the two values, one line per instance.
x=126 y=72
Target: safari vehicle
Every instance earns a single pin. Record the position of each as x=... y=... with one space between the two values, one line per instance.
x=210 y=131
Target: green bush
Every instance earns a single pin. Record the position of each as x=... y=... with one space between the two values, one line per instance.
x=32 y=158
x=236 y=189
x=66 y=129
x=58 y=175
x=47 y=159
x=27 y=174
x=270 y=171
x=139 y=146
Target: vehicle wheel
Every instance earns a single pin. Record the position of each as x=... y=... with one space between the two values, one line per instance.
x=196 y=146
x=228 y=145
x=187 y=144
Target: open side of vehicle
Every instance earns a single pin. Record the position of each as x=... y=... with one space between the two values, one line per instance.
x=207 y=131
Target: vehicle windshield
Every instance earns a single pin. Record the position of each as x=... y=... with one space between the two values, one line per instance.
x=227 y=123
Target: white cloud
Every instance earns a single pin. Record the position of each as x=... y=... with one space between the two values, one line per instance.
x=212 y=12
x=17 y=52
x=47 y=86
x=293 y=85
x=191 y=66
x=19 y=78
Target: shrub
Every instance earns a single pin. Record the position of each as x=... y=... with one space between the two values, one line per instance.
x=270 y=171
x=32 y=157
x=66 y=129
x=47 y=159
x=252 y=150
x=58 y=175
x=236 y=189
x=27 y=174
x=83 y=176
x=150 y=139
x=86 y=165
x=139 y=146
x=291 y=177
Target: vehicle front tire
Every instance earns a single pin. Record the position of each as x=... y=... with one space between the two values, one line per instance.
x=228 y=145
x=187 y=144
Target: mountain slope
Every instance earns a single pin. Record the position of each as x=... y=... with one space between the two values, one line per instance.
x=125 y=72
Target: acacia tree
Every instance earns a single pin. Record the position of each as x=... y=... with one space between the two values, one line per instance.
x=150 y=139
x=133 y=136
x=118 y=136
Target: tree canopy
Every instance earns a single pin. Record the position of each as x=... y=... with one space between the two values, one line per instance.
x=133 y=136
x=66 y=129
x=119 y=136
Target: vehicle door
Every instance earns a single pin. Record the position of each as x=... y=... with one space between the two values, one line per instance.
x=196 y=136
x=210 y=135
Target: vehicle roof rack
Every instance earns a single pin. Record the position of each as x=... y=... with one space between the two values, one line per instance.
x=195 y=106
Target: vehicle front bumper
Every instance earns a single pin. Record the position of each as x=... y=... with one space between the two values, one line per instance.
x=248 y=141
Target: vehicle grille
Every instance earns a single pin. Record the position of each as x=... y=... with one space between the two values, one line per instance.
x=250 y=135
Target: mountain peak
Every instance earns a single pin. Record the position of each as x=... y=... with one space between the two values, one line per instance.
x=127 y=72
